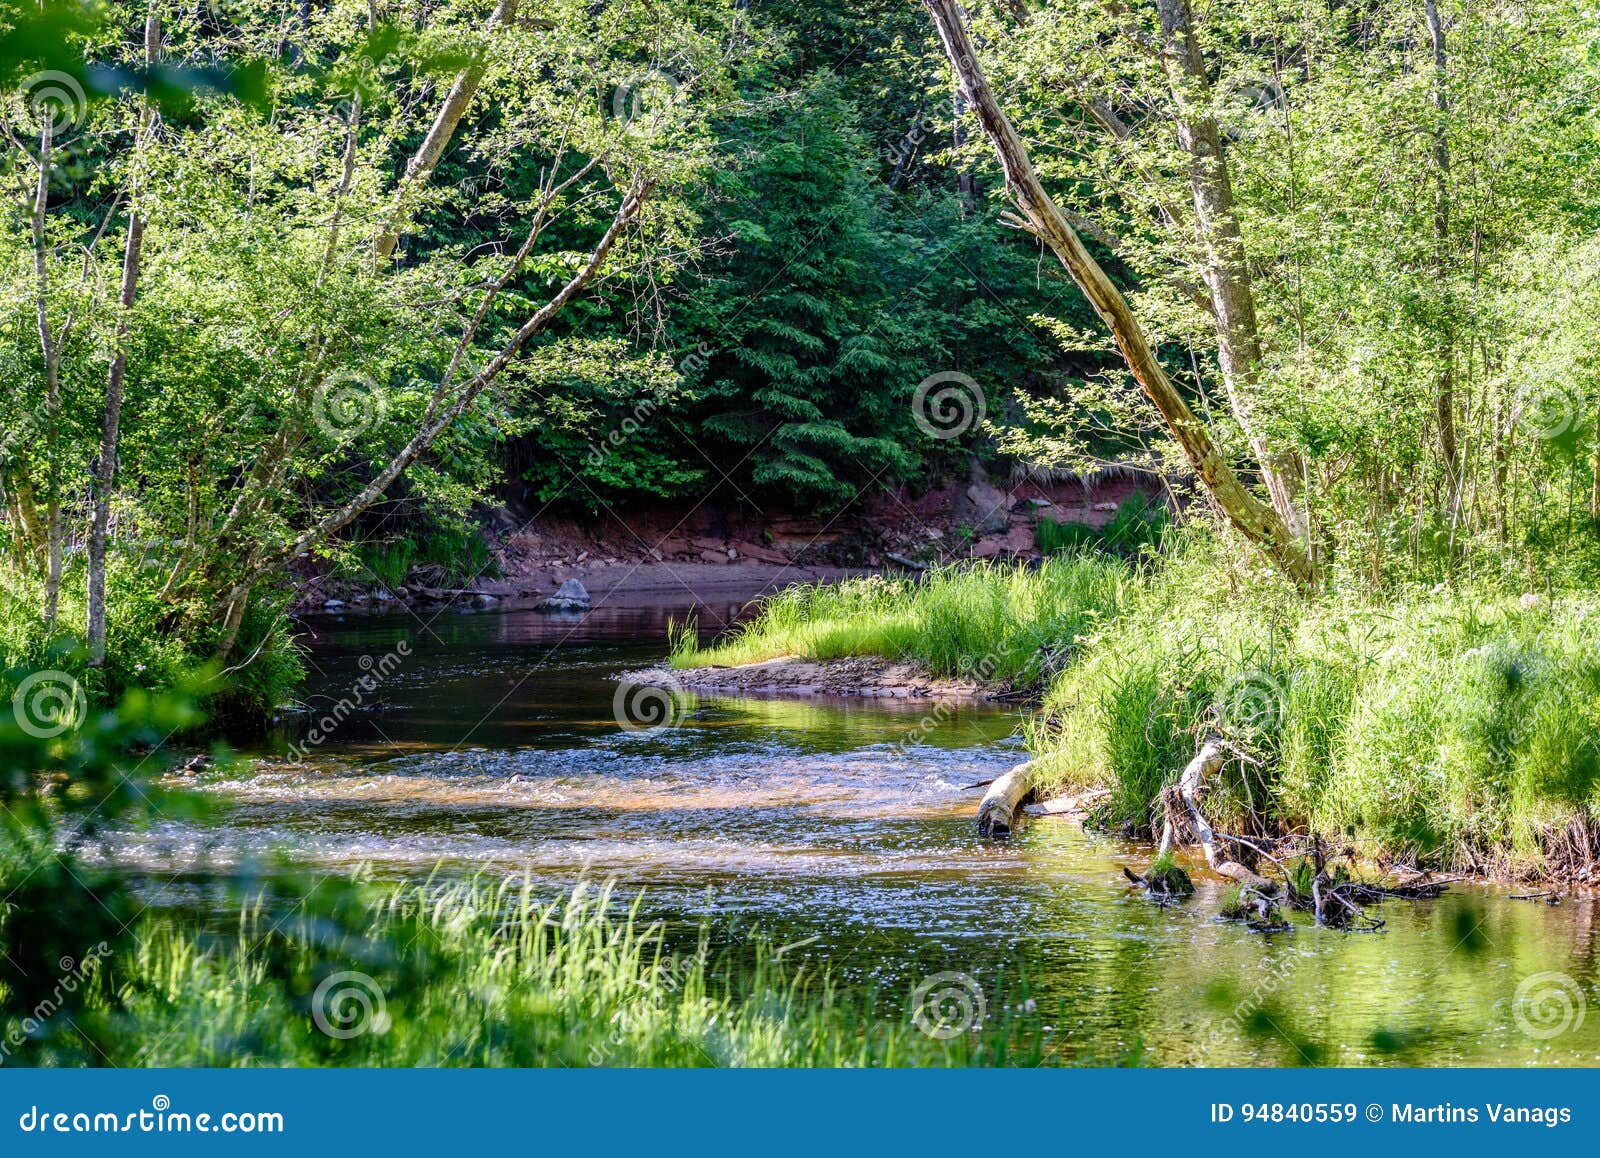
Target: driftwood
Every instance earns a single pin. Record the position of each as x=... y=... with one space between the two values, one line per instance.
x=1206 y=762
x=997 y=813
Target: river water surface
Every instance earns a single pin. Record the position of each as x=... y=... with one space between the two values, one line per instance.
x=844 y=830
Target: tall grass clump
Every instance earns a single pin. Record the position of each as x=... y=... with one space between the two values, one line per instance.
x=1455 y=729
x=1138 y=523
x=995 y=622
x=479 y=973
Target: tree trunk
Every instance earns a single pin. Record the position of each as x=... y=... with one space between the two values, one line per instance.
x=998 y=810
x=1449 y=450
x=1258 y=522
x=420 y=168
x=50 y=349
x=105 y=471
x=1223 y=266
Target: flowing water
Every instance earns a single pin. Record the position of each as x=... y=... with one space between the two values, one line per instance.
x=844 y=831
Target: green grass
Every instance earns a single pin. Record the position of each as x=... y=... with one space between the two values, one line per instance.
x=995 y=622
x=480 y=974
x=1453 y=728
x=1138 y=523
x=460 y=553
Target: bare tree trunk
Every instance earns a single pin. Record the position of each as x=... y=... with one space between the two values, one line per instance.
x=1224 y=268
x=105 y=471
x=420 y=168
x=1449 y=450
x=50 y=343
x=1258 y=522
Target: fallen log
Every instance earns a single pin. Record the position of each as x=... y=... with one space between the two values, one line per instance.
x=998 y=810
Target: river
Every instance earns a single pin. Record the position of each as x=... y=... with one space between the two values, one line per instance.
x=843 y=830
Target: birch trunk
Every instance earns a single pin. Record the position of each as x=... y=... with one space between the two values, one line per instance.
x=105 y=471
x=1258 y=522
x=50 y=348
x=420 y=168
x=1449 y=447
x=1224 y=268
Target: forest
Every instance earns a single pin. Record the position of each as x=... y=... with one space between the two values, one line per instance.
x=1258 y=342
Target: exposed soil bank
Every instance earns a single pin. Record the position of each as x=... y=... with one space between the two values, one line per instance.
x=793 y=676
x=656 y=553
x=640 y=584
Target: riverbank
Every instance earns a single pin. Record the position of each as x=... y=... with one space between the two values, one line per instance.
x=519 y=553
x=609 y=584
x=1458 y=731
x=872 y=677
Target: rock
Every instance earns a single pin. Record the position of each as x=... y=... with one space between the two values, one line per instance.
x=194 y=764
x=1104 y=507
x=570 y=596
x=1040 y=503
x=383 y=597
x=484 y=599
x=332 y=604
x=1016 y=541
x=984 y=507
x=760 y=554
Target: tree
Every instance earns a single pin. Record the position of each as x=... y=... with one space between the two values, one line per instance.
x=1258 y=522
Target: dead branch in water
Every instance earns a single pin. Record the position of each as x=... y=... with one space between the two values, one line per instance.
x=1184 y=807
x=998 y=810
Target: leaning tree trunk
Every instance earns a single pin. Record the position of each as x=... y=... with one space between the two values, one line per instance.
x=420 y=168
x=1258 y=522
x=1223 y=266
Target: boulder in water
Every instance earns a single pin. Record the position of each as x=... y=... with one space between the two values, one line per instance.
x=570 y=596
